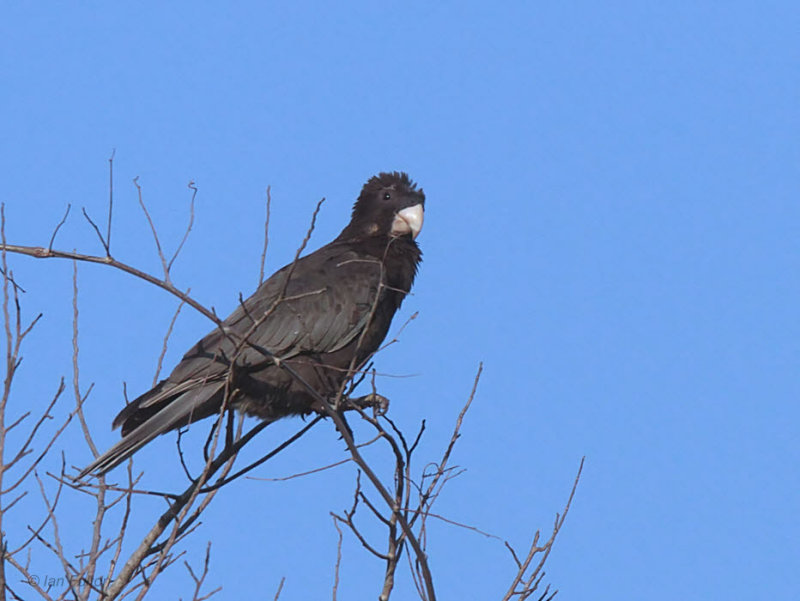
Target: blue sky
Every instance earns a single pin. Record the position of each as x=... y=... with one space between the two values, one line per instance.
x=611 y=227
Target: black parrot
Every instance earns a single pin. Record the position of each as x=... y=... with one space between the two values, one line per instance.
x=312 y=323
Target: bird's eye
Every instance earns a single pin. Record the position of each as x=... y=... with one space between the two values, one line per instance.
x=386 y=196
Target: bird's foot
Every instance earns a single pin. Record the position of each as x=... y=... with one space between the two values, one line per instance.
x=378 y=403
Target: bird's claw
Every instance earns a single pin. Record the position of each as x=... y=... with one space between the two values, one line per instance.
x=378 y=403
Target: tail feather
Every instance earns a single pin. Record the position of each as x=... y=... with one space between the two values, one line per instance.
x=173 y=415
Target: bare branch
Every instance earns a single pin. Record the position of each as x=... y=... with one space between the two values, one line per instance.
x=153 y=230
x=79 y=399
x=348 y=519
x=302 y=247
x=441 y=467
x=318 y=469
x=28 y=579
x=193 y=188
x=338 y=557
x=110 y=198
x=103 y=241
x=18 y=421
x=266 y=237
x=530 y=582
x=280 y=588
x=163 y=353
x=198 y=580
x=39 y=252
x=58 y=227
x=24 y=450
x=8 y=507
x=128 y=496
x=257 y=428
x=396 y=337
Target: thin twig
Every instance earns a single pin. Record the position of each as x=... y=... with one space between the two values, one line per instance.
x=58 y=227
x=198 y=580
x=193 y=188
x=530 y=582
x=24 y=449
x=425 y=497
x=315 y=470
x=103 y=241
x=39 y=252
x=110 y=198
x=128 y=496
x=338 y=557
x=47 y=447
x=75 y=366
x=278 y=449
x=163 y=352
x=302 y=246
x=266 y=237
x=161 y=256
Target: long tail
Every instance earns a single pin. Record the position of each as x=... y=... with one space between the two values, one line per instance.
x=176 y=413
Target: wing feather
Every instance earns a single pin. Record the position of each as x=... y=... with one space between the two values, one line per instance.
x=325 y=306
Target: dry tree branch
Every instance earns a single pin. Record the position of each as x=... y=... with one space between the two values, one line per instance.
x=396 y=338
x=280 y=588
x=14 y=501
x=10 y=362
x=474 y=529
x=14 y=338
x=300 y=249
x=198 y=580
x=530 y=581
x=178 y=514
x=349 y=521
x=103 y=241
x=18 y=421
x=163 y=352
x=442 y=465
x=181 y=521
x=110 y=197
x=317 y=469
x=79 y=398
x=100 y=496
x=338 y=556
x=223 y=481
x=128 y=496
x=25 y=449
x=193 y=188
x=28 y=579
x=177 y=510
x=161 y=256
x=341 y=426
x=39 y=252
x=266 y=237
x=401 y=510
x=224 y=455
x=56 y=546
x=58 y=227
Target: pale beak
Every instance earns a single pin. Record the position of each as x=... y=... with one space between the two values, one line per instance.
x=408 y=221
